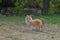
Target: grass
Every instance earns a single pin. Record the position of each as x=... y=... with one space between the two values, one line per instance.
x=49 y=19
x=21 y=19
x=17 y=38
x=10 y=28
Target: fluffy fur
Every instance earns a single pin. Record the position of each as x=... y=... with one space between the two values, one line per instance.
x=31 y=22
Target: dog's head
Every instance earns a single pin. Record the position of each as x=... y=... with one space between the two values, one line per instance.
x=28 y=18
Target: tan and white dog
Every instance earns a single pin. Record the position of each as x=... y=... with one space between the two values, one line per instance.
x=31 y=22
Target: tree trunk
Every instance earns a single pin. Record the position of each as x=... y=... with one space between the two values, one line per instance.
x=45 y=7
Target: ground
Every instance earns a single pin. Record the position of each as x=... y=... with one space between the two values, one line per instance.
x=14 y=28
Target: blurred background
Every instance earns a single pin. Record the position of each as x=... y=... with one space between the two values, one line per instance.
x=30 y=7
x=12 y=19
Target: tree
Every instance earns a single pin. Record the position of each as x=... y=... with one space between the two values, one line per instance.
x=45 y=7
x=56 y=6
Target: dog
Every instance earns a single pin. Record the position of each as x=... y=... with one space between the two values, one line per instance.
x=31 y=22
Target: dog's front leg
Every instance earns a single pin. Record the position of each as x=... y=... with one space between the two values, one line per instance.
x=40 y=29
x=30 y=28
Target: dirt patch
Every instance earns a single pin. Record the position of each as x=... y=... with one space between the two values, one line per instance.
x=11 y=31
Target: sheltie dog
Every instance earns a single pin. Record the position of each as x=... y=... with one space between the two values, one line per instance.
x=31 y=22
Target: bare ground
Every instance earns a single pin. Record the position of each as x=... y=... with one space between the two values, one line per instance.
x=11 y=31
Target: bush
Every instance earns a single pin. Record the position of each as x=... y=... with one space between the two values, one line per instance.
x=19 y=7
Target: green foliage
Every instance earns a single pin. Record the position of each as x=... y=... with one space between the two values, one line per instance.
x=20 y=4
x=0 y=1
x=18 y=7
x=51 y=8
x=33 y=3
x=56 y=5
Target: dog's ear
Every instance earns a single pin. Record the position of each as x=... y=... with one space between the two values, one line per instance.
x=26 y=15
x=31 y=15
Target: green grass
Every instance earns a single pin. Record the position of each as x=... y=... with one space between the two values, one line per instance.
x=17 y=19
x=21 y=19
x=17 y=38
x=49 y=19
